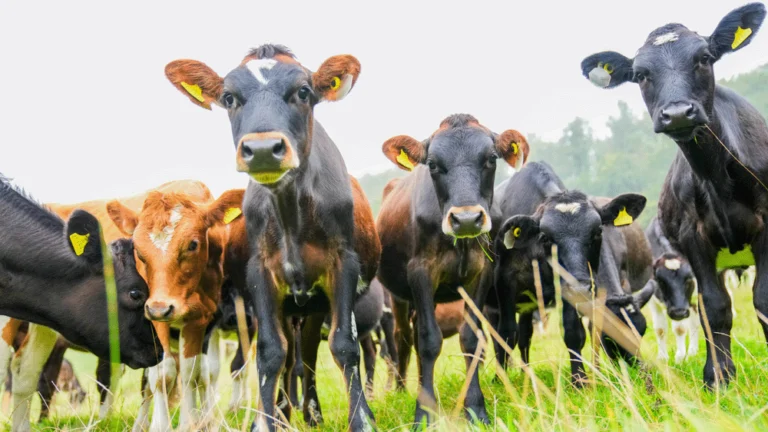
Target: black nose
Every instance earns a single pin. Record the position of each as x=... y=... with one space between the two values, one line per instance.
x=466 y=223
x=678 y=116
x=261 y=149
x=678 y=313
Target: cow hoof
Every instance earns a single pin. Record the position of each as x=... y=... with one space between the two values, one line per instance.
x=477 y=415
x=679 y=358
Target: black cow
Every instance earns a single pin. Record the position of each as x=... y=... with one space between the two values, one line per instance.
x=714 y=198
x=41 y=256
x=432 y=225
x=306 y=258
x=540 y=212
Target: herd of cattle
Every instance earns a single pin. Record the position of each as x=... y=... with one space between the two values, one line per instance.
x=301 y=248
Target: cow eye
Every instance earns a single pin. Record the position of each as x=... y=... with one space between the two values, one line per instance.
x=193 y=245
x=303 y=93
x=432 y=166
x=491 y=161
x=640 y=76
x=705 y=59
x=135 y=295
x=228 y=100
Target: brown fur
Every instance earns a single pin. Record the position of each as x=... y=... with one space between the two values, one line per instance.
x=504 y=146
x=367 y=243
x=413 y=148
x=195 y=72
x=336 y=66
x=450 y=317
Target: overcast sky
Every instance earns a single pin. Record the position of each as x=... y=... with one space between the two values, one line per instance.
x=87 y=112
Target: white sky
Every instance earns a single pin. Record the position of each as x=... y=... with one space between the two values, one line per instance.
x=88 y=113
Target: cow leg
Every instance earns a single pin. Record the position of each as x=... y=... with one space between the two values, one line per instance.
x=343 y=340
x=575 y=336
x=525 y=333
x=474 y=402
x=507 y=326
x=388 y=328
x=142 y=417
x=429 y=345
x=211 y=369
x=270 y=343
x=659 y=315
x=717 y=305
x=193 y=380
x=27 y=363
x=239 y=374
x=760 y=284
x=10 y=327
x=310 y=341
x=680 y=329
x=369 y=359
x=161 y=379
x=46 y=385
x=298 y=366
x=283 y=396
x=107 y=379
x=404 y=337
x=693 y=331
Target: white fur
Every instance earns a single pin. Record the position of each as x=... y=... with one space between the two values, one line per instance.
x=672 y=264
x=346 y=86
x=162 y=239
x=600 y=77
x=5 y=350
x=571 y=208
x=257 y=66
x=666 y=38
x=688 y=326
x=161 y=377
x=354 y=326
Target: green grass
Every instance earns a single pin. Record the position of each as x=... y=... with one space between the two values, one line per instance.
x=658 y=397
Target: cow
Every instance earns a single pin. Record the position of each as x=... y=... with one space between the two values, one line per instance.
x=714 y=196
x=310 y=227
x=432 y=226
x=540 y=212
x=675 y=285
x=180 y=242
x=32 y=365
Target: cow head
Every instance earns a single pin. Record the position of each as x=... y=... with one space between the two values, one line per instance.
x=82 y=231
x=270 y=99
x=674 y=69
x=675 y=284
x=176 y=249
x=461 y=157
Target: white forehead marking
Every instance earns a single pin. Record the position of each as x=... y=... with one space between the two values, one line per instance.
x=667 y=37
x=162 y=238
x=672 y=264
x=256 y=66
x=571 y=208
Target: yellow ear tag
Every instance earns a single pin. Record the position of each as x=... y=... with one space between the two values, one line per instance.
x=194 y=90
x=78 y=242
x=403 y=160
x=515 y=148
x=608 y=68
x=623 y=218
x=231 y=214
x=516 y=232
x=740 y=36
x=335 y=83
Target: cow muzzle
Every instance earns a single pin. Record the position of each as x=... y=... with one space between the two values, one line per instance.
x=678 y=313
x=466 y=221
x=266 y=156
x=163 y=311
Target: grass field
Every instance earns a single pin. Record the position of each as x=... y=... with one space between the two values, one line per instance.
x=656 y=397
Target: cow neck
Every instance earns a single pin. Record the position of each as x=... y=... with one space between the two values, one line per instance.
x=289 y=212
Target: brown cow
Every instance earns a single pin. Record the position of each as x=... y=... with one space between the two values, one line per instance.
x=180 y=242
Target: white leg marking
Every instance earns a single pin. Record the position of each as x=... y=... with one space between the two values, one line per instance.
x=161 y=379
x=114 y=382
x=680 y=328
x=693 y=330
x=191 y=369
x=659 y=315
x=142 y=417
x=26 y=366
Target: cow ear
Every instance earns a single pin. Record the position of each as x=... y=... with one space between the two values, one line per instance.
x=736 y=30
x=608 y=69
x=124 y=218
x=404 y=151
x=516 y=232
x=513 y=148
x=196 y=80
x=83 y=236
x=227 y=208
x=336 y=77
x=622 y=210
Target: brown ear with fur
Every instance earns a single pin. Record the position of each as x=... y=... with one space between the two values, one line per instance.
x=196 y=80
x=336 y=77
x=227 y=208
x=124 y=218
x=513 y=148
x=404 y=151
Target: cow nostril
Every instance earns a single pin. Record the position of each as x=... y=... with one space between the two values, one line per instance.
x=278 y=150
x=479 y=220
x=246 y=151
x=690 y=112
x=168 y=311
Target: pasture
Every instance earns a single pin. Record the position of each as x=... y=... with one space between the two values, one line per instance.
x=656 y=397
